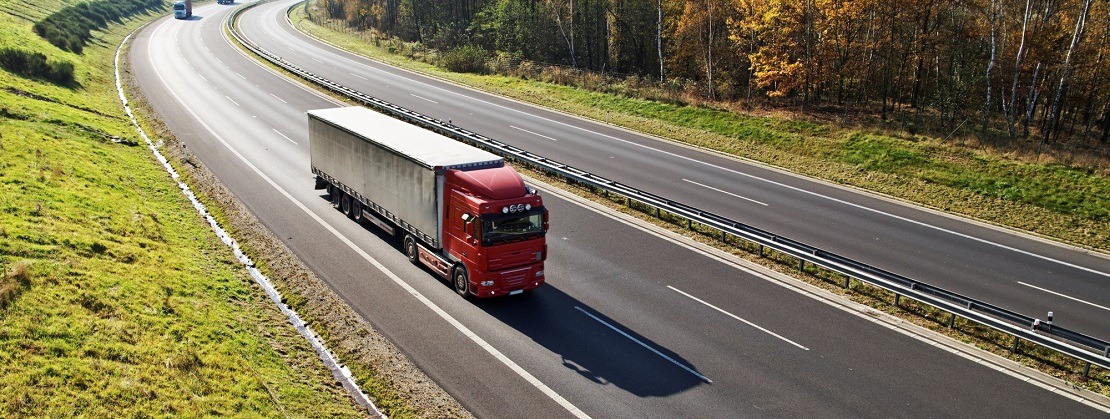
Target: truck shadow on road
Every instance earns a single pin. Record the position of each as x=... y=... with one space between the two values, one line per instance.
x=595 y=346
x=589 y=343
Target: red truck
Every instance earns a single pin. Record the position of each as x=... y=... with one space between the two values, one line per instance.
x=461 y=211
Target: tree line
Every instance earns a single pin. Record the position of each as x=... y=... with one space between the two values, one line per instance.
x=1012 y=69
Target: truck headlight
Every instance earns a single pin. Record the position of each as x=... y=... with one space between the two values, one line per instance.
x=539 y=273
x=539 y=256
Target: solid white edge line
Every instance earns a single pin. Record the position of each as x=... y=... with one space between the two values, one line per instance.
x=284 y=136
x=533 y=133
x=338 y=370
x=724 y=192
x=1064 y=295
x=837 y=200
x=737 y=318
x=520 y=371
x=646 y=346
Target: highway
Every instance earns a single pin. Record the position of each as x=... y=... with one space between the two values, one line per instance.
x=1017 y=272
x=630 y=323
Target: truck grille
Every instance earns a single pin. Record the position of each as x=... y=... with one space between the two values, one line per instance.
x=515 y=279
x=512 y=260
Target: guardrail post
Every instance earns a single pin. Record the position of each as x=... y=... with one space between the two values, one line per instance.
x=952 y=321
x=658 y=213
x=1086 y=371
x=897 y=299
x=689 y=224
x=761 y=250
x=847 y=282
x=802 y=265
x=724 y=236
x=1014 y=347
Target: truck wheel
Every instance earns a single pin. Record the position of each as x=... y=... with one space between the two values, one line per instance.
x=410 y=249
x=334 y=195
x=345 y=204
x=462 y=282
x=356 y=211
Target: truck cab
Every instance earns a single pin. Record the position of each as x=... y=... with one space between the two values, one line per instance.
x=496 y=226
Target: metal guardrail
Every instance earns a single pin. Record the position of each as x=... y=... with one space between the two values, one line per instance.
x=1090 y=349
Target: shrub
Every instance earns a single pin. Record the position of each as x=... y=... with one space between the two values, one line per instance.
x=35 y=65
x=71 y=27
x=465 y=59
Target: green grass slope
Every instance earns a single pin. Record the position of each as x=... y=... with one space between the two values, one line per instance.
x=116 y=300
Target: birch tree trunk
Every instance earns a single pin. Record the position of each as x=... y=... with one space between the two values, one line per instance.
x=1011 y=113
x=709 y=50
x=990 y=65
x=659 y=39
x=562 y=29
x=1054 y=115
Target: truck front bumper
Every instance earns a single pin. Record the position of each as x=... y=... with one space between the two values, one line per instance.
x=507 y=282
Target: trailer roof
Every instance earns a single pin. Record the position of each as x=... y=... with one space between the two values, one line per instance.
x=421 y=145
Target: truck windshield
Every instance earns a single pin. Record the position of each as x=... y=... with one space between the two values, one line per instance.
x=179 y=6
x=511 y=228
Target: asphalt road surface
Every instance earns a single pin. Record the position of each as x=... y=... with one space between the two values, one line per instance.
x=1017 y=272
x=630 y=324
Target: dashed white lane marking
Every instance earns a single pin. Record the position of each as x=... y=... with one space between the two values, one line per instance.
x=284 y=136
x=533 y=133
x=423 y=98
x=1065 y=296
x=724 y=192
x=738 y=318
x=646 y=346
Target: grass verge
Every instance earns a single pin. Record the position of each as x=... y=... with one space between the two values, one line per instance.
x=115 y=297
x=1030 y=193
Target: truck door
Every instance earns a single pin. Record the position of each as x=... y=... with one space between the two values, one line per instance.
x=462 y=226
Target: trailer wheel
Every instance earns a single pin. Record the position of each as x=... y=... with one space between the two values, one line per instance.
x=356 y=211
x=345 y=204
x=410 y=249
x=334 y=194
x=462 y=282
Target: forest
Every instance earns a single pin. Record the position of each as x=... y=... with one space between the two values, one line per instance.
x=1006 y=71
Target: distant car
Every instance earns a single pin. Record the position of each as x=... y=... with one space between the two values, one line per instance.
x=225 y=1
